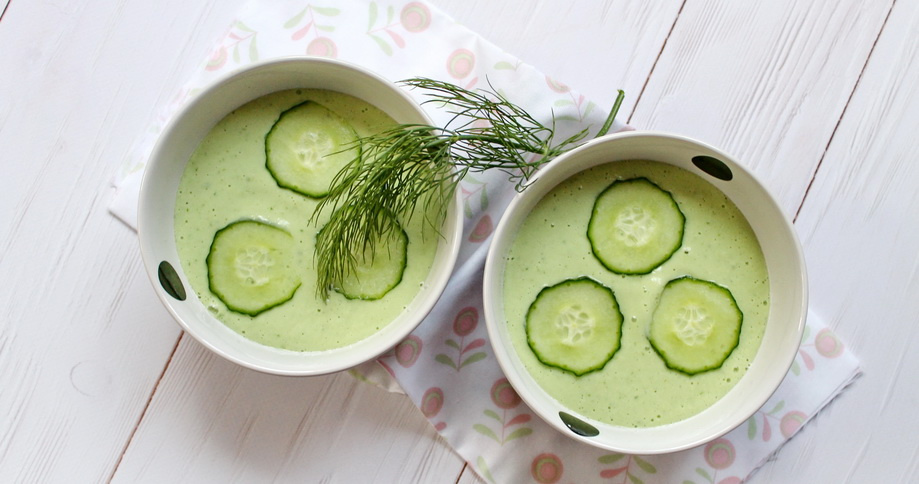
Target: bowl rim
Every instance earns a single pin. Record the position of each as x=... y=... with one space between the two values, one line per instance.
x=442 y=266
x=549 y=410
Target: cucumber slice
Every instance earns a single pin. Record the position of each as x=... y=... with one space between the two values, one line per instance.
x=574 y=325
x=695 y=326
x=307 y=146
x=635 y=226
x=250 y=266
x=378 y=271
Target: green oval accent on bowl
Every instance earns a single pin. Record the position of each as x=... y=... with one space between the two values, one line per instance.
x=170 y=281
x=713 y=166
x=578 y=426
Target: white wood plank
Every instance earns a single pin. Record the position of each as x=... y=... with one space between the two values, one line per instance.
x=859 y=228
x=217 y=422
x=595 y=47
x=765 y=81
x=82 y=338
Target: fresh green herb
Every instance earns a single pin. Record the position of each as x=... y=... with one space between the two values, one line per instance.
x=412 y=167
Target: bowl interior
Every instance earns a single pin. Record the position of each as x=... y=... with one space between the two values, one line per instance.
x=784 y=262
x=158 y=195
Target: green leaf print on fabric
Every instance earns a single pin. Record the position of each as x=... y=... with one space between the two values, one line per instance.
x=308 y=21
x=753 y=428
x=506 y=399
x=465 y=322
x=628 y=469
x=506 y=66
x=482 y=466
x=413 y=18
x=241 y=39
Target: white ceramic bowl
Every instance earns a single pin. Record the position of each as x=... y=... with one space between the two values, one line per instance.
x=787 y=281
x=158 y=195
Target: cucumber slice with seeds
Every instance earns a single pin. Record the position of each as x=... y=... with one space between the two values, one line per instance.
x=378 y=271
x=635 y=226
x=695 y=326
x=250 y=266
x=574 y=325
x=307 y=146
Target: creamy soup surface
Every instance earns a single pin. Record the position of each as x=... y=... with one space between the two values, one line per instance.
x=226 y=180
x=636 y=389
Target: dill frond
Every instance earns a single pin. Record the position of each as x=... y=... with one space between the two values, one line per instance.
x=408 y=165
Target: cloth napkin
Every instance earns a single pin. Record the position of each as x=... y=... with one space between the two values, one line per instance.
x=446 y=366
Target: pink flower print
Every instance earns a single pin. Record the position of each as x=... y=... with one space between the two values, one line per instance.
x=626 y=471
x=547 y=468
x=431 y=403
x=827 y=344
x=460 y=64
x=466 y=321
x=506 y=399
x=406 y=353
x=791 y=422
x=415 y=17
x=503 y=394
x=464 y=324
x=719 y=453
x=408 y=350
x=322 y=47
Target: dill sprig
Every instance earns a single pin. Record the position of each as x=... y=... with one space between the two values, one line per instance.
x=412 y=167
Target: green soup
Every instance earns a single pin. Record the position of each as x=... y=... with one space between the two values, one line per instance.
x=635 y=388
x=226 y=181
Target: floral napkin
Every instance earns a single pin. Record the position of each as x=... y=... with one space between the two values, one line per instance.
x=446 y=366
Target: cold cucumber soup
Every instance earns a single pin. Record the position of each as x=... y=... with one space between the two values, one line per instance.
x=243 y=231
x=682 y=315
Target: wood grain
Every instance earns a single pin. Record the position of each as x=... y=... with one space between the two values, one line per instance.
x=858 y=226
x=603 y=45
x=765 y=81
x=82 y=338
x=214 y=421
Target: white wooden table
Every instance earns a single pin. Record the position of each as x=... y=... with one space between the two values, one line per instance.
x=820 y=98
